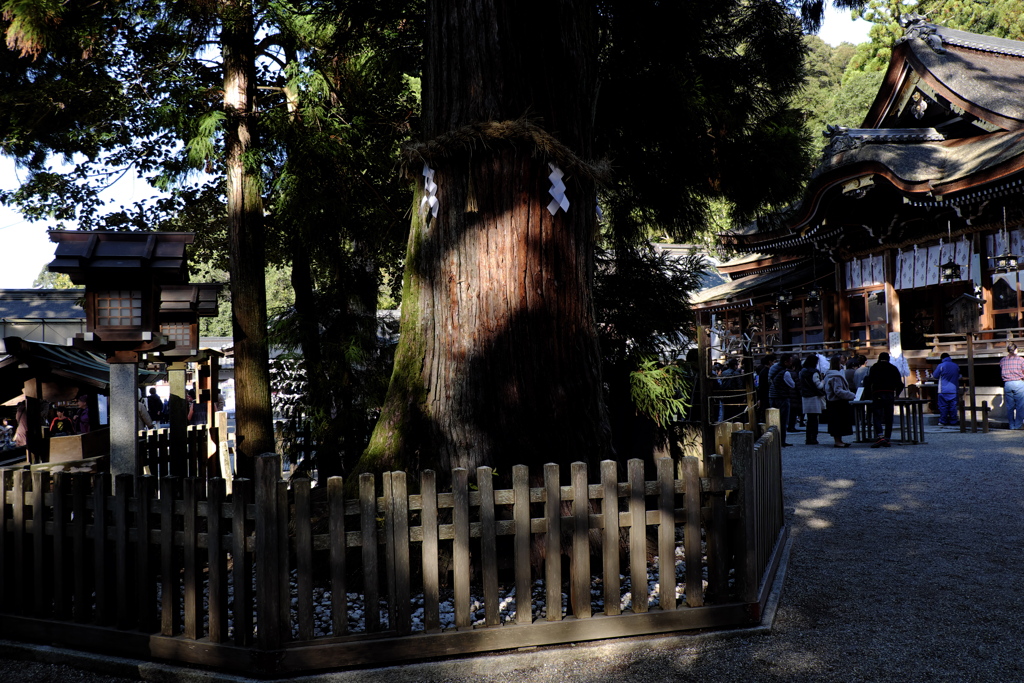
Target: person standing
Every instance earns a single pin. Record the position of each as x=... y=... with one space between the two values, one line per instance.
x=154 y=405
x=732 y=386
x=762 y=385
x=811 y=393
x=82 y=420
x=860 y=373
x=837 y=402
x=796 y=412
x=948 y=375
x=882 y=385
x=61 y=424
x=779 y=384
x=1011 y=367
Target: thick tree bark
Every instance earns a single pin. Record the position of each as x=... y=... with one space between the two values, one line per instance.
x=498 y=359
x=253 y=419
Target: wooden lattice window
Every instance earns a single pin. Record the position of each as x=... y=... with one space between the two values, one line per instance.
x=119 y=308
x=179 y=333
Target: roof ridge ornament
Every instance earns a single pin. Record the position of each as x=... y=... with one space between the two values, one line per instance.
x=916 y=26
x=839 y=140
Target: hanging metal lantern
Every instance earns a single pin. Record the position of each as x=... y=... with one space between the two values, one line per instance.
x=1005 y=262
x=814 y=293
x=785 y=297
x=950 y=271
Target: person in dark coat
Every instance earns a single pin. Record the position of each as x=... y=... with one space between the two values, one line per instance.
x=154 y=405
x=811 y=395
x=779 y=384
x=837 y=402
x=882 y=385
x=948 y=375
x=796 y=401
x=762 y=385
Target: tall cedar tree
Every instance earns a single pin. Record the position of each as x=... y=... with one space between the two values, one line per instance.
x=498 y=360
x=253 y=420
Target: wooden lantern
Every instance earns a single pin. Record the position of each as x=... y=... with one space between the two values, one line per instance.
x=122 y=273
x=181 y=306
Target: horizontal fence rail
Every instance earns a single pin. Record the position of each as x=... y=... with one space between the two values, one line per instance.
x=287 y=577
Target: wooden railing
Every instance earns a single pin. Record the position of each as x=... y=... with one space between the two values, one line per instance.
x=175 y=569
x=984 y=343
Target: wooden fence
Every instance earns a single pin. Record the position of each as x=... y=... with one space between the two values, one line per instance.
x=282 y=578
x=204 y=452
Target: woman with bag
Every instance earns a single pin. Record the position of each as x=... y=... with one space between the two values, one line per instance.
x=811 y=395
x=837 y=402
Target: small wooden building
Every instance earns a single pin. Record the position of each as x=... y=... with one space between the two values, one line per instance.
x=934 y=177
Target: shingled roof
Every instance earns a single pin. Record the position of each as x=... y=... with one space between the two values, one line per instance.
x=946 y=132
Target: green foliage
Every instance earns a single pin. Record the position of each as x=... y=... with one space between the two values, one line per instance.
x=660 y=392
x=834 y=94
x=695 y=105
x=997 y=18
x=885 y=16
x=641 y=299
x=48 y=280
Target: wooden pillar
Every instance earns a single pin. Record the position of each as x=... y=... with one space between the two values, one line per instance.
x=988 y=319
x=970 y=382
x=892 y=297
x=842 y=306
x=703 y=369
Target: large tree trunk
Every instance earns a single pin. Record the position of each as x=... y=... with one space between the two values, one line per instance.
x=253 y=421
x=498 y=361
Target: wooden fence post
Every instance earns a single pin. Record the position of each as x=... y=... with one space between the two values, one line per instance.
x=40 y=580
x=339 y=598
x=192 y=574
x=580 y=560
x=170 y=576
x=460 y=547
x=63 y=561
x=368 y=532
x=746 y=501
x=431 y=571
x=610 y=549
x=268 y=598
x=217 y=562
x=691 y=533
x=553 y=542
x=241 y=561
x=637 y=535
x=666 y=534
x=521 y=514
x=488 y=545
x=718 y=568
x=145 y=595
x=396 y=526
x=224 y=450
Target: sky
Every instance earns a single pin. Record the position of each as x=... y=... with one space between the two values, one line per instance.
x=25 y=247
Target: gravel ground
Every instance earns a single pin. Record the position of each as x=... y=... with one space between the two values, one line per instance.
x=905 y=564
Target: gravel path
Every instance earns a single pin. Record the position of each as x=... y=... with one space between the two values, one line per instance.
x=906 y=564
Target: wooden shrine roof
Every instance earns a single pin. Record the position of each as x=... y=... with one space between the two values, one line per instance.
x=944 y=137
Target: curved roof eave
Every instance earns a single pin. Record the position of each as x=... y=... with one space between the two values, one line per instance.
x=938 y=182
x=916 y=55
